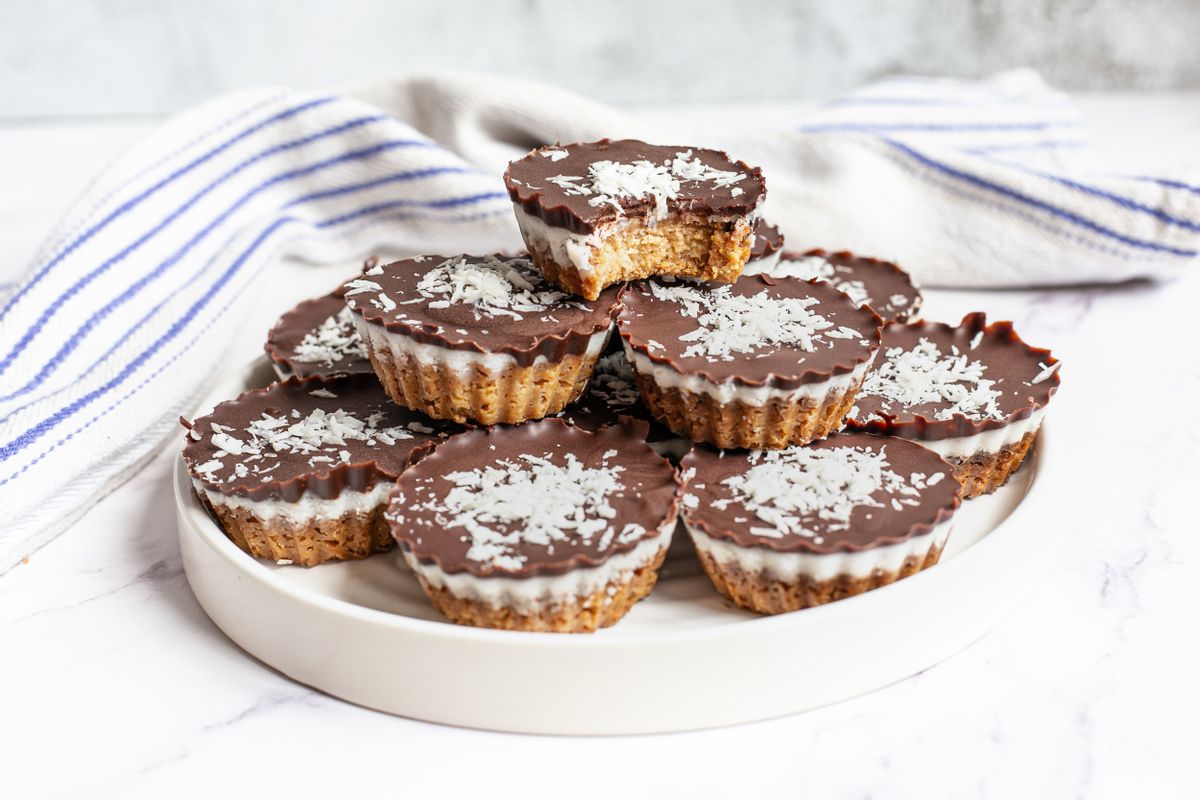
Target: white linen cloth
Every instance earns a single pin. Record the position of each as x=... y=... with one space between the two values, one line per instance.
x=132 y=302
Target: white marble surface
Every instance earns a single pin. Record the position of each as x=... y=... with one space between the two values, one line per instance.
x=117 y=685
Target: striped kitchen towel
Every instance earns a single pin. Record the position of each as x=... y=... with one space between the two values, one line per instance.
x=128 y=310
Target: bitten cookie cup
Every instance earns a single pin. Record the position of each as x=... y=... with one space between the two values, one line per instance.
x=880 y=285
x=483 y=338
x=762 y=363
x=300 y=471
x=974 y=393
x=317 y=338
x=539 y=527
x=783 y=530
x=600 y=213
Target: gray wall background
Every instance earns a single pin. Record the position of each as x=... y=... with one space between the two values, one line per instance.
x=101 y=57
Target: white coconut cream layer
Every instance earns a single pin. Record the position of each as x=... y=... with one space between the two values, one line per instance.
x=541 y=592
x=308 y=508
x=987 y=441
x=790 y=567
x=564 y=246
x=463 y=362
x=730 y=391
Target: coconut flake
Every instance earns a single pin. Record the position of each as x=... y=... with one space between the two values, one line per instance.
x=607 y=180
x=322 y=436
x=795 y=491
x=925 y=375
x=360 y=285
x=732 y=323
x=539 y=501
x=494 y=286
x=1047 y=372
x=819 y=268
x=335 y=339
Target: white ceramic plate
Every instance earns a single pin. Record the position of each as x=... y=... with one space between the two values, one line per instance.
x=682 y=659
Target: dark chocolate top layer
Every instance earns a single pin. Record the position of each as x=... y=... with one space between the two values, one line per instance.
x=540 y=498
x=318 y=337
x=887 y=289
x=767 y=240
x=936 y=381
x=484 y=304
x=777 y=332
x=845 y=493
x=308 y=434
x=580 y=186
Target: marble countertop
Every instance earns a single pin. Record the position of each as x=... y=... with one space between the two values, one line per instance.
x=117 y=684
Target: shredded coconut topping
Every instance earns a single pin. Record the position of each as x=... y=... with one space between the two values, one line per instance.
x=322 y=435
x=818 y=268
x=926 y=375
x=732 y=323
x=800 y=490
x=335 y=339
x=545 y=502
x=495 y=286
x=1047 y=372
x=609 y=180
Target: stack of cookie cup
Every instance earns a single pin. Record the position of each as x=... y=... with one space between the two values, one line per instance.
x=480 y=411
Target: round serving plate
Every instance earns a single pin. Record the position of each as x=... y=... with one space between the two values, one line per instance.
x=683 y=658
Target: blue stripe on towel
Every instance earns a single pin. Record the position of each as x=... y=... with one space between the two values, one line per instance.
x=158 y=164
x=40 y=429
x=1120 y=200
x=1170 y=184
x=371 y=184
x=53 y=307
x=73 y=342
x=1033 y=202
x=1049 y=144
x=136 y=200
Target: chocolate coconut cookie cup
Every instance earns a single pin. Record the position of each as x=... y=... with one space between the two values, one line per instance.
x=317 y=337
x=782 y=530
x=540 y=527
x=604 y=212
x=300 y=471
x=884 y=287
x=976 y=394
x=482 y=338
x=762 y=363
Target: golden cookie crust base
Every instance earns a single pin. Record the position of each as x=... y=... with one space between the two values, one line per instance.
x=778 y=424
x=519 y=394
x=580 y=615
x=767 y=594
x=351 y=536
x=685 y=245
x=984 y=473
